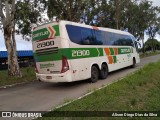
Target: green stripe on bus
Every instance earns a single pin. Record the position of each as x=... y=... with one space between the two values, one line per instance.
x=115 y=59
x=77 y=53
x=56 y=28
x=111 y=51
x=100 y=51
x=70 y=53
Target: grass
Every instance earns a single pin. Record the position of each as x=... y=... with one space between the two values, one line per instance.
x=147 y=54
x=137 y=92
x=28 y=75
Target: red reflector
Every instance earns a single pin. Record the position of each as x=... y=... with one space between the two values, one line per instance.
x=65 y=65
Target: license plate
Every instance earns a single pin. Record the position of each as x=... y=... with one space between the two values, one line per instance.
x=49 y=77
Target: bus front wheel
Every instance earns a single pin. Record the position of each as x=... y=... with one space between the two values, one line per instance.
x=94 y=74
x=134 y=63
x=104 y=71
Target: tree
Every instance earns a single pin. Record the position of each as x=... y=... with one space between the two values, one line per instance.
x=8 y=22
x=70 y=10
x=149 y=42
x=138 y=16
x=154 y=25
x=104 y=11
x=22 y=14
x=26 y=18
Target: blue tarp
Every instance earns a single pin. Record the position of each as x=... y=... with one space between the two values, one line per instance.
x=23 y=53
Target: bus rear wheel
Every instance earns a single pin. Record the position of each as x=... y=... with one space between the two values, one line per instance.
x=104 y=71
x=94 y=74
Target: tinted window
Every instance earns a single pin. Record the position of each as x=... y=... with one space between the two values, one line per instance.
x=87 y=36
x=109 y=38
x=80 y=35
x=74 y=33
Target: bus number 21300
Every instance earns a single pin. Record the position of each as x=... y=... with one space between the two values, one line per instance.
x=78 y=53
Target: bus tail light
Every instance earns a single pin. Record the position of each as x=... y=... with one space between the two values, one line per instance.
x=35 y=67
x=65 y=65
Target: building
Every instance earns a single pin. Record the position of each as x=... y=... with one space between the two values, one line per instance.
x=25 y=58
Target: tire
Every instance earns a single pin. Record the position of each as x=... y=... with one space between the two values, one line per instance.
x=104 y=71
x=134 y=63
x=94 y=74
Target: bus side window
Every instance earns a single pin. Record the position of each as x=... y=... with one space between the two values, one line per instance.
x=134 y=41
x=129 y=41
x=117 y=40
x=98 y=37
x=87 y=36
x=74 y=33
x=109 y=38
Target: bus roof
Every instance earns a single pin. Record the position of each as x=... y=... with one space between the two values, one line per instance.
x=87 y=26
x=99 y=28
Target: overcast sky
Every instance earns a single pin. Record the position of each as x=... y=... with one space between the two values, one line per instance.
x=25 y=45
x=156 y=2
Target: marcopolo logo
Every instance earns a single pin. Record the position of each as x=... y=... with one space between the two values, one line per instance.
x=46 y=65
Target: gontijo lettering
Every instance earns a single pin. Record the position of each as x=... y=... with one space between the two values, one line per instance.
x=128 y=50
x=40 y=34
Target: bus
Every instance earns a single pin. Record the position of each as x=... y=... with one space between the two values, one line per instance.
x=66 y=51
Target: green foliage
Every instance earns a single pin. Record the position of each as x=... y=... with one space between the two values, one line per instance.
x=25 y=17
x=67 y=10
x=152 y=43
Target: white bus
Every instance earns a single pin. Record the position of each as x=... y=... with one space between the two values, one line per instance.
x=67 y=51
